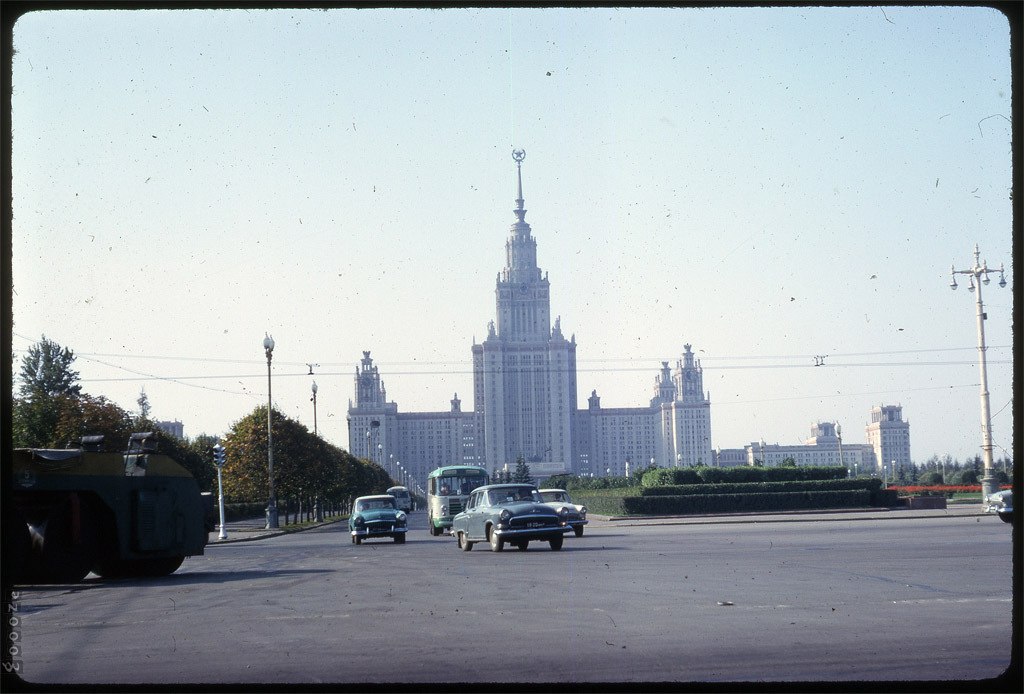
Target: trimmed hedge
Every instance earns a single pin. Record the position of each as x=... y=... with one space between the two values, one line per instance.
x=661 y=477
x=871 y=484
x=738 y=503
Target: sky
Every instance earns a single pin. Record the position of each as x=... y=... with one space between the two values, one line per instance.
x=778 y=187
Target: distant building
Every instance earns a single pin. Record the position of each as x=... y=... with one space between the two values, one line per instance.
x=822 y=448
x=889 y=437
x=524 y=397
x=174 y=428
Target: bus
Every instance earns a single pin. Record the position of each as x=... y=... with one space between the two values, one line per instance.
x=447 y=491
x=402 y=498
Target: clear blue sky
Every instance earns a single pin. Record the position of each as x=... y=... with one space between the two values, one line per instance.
x=766 y=184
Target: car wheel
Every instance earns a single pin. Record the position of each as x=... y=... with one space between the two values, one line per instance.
x=358 y=540
x=521 y=546
x=400 y=539
x=1006 y=517
x=497 y=544
x=464 y=544
x=556 y=544
x=578 y=530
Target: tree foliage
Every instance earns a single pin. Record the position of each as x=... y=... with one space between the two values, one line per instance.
x=304 y=465
x=522 y=472
x=46 y=371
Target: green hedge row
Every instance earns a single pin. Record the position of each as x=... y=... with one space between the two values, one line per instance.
x=661 y=477
x=738 y=503
x=871 y=484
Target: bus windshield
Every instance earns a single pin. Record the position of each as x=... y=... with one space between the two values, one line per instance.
x=455 y=484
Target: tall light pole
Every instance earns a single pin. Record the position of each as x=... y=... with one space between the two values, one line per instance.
x=272 y=520
x=839 y=437
x=314 y=407
x=218 y=460
x=979 y=276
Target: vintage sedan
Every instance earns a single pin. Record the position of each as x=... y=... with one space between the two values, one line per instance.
x=376 y=516
x=559 y=498
x=512 y=513
x=1001 y=503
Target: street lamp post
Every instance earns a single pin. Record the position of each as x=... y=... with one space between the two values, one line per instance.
x=979 y=276
x=839 y=437
x=218 y=460
x=272 y=519
x=314 y=407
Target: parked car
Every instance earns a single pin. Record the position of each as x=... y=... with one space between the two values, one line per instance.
x=512 y=513
x=1001 y=503
x=376 y=516
x=559 y=498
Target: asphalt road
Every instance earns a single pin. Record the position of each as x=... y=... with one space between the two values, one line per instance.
x=827 y=601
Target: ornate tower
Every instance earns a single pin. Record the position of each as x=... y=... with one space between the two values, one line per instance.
x=525 y=371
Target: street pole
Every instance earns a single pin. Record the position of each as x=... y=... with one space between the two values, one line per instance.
x=314 y=408
x=218 y=461
x=839 y=437
x=272 y=518
x=979 y=276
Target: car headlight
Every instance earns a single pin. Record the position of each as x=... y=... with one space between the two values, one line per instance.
x=358 y=520
x=504 y=517
x=400 y=518
x=583 y=511
x=563 y=512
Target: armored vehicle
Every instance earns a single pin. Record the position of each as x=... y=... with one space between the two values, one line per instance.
x=136 y=513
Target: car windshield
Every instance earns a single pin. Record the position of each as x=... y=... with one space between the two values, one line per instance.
x=510 y=494
x=554 y=496
x=372 y=504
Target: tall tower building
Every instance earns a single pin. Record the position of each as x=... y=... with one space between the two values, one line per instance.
x=524 y=373
x=889 y=436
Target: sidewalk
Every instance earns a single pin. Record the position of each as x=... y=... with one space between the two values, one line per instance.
x=255 y=528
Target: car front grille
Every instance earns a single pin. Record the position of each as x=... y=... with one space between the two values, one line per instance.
x=379 y=527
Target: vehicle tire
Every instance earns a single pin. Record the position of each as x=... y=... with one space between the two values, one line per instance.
x=578 y=530
x=434 y=530
x=1006 y=517
x=521 y=546
x=497 y=544
x=69 y=542
x=556 y=544
x=358 y=540
x=400 y=539
x=464 y=544
x=163 y=566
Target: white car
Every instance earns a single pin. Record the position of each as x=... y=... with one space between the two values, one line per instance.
x=559 y=498
x=1001 y=503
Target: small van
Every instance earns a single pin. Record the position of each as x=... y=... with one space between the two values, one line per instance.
x=403 y=498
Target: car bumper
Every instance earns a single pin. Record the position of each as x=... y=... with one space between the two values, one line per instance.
x=379 y=533
x=531 y=533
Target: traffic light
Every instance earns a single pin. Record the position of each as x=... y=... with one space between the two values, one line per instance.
x=218 y=455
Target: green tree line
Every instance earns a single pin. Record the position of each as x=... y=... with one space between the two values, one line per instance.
x=51 y=411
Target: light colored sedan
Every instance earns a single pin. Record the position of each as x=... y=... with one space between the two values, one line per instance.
x=1001 y=503
x=559 y=498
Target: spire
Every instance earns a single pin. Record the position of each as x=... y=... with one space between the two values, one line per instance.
x=518 y=155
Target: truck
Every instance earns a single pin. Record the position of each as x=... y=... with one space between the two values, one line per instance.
x=136 y=513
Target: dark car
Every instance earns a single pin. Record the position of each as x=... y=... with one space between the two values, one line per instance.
x=376 y=516
x=512 y=513
x=1001 y=503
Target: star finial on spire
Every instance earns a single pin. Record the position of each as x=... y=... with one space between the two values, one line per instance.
x=518 y=155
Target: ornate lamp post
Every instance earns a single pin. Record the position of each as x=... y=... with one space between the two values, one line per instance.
x=979 y=276
x=272 y=520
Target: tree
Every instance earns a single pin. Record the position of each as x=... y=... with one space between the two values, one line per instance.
x=46 y=371
x=144 y=407
x=788 y=461
x=522 y=473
